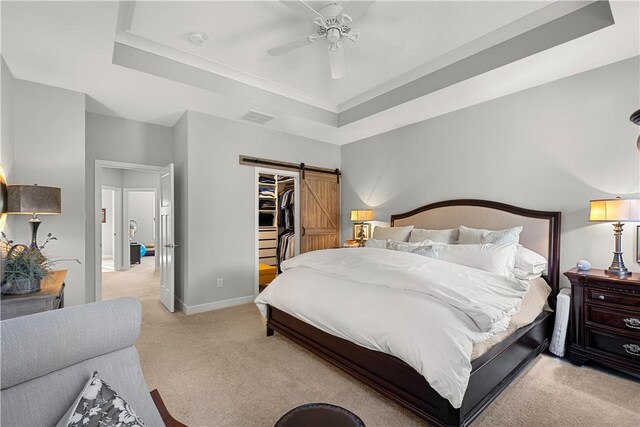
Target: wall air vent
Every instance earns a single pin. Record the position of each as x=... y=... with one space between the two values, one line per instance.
x=257 y=117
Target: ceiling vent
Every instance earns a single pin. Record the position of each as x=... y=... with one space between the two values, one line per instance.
x=257 y=117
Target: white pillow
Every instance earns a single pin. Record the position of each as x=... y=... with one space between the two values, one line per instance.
x=499 y=259
x=529 y=261
x=428 y=250
x=375 y=243
x=479 y=236
x=397 y=234
x=523 y=275
x=444 y=236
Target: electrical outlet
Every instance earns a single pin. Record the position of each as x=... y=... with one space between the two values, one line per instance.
x=220 y=283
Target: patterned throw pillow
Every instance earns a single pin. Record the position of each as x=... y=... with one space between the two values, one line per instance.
x=99 y=405
x=479 y=236
x=418 y=249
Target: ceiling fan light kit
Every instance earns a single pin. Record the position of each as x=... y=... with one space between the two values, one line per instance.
x=333 y=24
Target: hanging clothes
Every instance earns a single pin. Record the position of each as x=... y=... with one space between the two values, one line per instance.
x=287 y=209
x=286 y=246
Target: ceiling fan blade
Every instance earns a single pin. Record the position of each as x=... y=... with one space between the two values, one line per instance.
x=302 y=9
x=356 y=8
x=288 y=47
x=336 y=59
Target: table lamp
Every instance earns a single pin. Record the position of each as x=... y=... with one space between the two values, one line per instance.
x=615 y=210
x=359 y=217
x=33 y=200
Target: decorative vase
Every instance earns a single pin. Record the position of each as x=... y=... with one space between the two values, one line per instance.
x=21 y=286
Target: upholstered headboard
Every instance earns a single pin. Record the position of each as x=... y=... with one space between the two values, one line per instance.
x=540 y=232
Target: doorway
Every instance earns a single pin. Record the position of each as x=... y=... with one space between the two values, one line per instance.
x=132 y=258
x=111 y=220
x=277 y=222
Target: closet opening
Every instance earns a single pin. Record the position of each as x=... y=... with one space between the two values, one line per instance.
x=277 y=222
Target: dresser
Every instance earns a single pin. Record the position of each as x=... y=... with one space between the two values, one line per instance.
x=605 y=319
x=134 y=253
x=49 y=297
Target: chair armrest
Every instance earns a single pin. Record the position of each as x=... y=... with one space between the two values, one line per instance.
x=169 y=421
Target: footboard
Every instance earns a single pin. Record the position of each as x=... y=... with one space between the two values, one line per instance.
x=401 y=383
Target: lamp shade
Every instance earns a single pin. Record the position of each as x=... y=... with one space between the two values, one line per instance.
x=362 y=215
x=613 y=210
x=33 y=199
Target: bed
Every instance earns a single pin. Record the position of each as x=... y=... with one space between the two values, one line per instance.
x=491 y=372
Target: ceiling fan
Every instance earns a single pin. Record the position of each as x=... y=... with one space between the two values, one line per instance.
x=332 y=22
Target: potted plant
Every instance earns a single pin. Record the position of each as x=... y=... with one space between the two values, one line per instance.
x=24 y=266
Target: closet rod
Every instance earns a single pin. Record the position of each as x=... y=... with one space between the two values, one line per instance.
x=254 y=161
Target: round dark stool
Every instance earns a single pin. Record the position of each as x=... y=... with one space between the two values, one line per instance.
x=319 y=415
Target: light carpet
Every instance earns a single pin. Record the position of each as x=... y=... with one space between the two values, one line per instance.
x=219 y=369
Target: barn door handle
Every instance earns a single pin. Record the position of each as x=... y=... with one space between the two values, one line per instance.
x=303 y=231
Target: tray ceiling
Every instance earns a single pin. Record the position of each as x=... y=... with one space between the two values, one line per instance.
x=396 y=37
x=423 y=59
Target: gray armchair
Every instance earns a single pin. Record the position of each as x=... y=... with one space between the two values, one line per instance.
x=48 y=357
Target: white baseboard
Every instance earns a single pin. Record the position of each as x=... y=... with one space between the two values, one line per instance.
x=216 y=305
x=179 y=304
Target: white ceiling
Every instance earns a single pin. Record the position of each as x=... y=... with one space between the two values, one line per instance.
x=71 y=45
x=397 y=37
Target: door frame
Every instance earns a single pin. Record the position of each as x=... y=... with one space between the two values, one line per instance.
x=117 y=228
x=97 y=205
x=296 y=216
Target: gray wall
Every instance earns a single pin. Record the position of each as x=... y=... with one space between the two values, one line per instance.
x=107 y=226
x=180 y=140
x=142 y=211
x=141 y=179
x=6 y=125
x=553 y=147
x=119 y=140
x=50 y=150
x=7 y=155
x=221 y=200
x=112 y=177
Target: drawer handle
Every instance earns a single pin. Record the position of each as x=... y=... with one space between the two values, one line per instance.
x=632 y=349
x=601 y=297
x=632 y=322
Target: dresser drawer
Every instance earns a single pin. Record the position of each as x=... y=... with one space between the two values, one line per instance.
x=271 y=252
x=628 y=348
x=269 y=260
x=266 y=244
x=267 y=234
x=612 y=297
x=609 y=317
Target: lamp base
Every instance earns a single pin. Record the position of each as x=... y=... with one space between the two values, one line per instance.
x=617 y=267
x=360 y=236
x=34 y=222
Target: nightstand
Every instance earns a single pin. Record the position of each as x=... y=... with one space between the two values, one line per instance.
x=605 y=319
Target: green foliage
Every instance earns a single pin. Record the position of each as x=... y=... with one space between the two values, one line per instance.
x=24 y=262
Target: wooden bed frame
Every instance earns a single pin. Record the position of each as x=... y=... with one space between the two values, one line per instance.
x=491 y=373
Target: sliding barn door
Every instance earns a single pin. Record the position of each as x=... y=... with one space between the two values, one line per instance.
x=319 y=211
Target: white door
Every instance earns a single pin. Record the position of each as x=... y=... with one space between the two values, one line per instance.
x=166 y=242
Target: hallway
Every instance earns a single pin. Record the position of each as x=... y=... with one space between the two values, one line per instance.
x=140 y=281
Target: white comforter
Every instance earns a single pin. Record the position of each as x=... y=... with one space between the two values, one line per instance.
x=426 y=312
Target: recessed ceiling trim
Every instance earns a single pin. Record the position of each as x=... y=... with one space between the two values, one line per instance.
x=542 y=16
x=585 y=20
x=125 y=35
x=168 y=68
